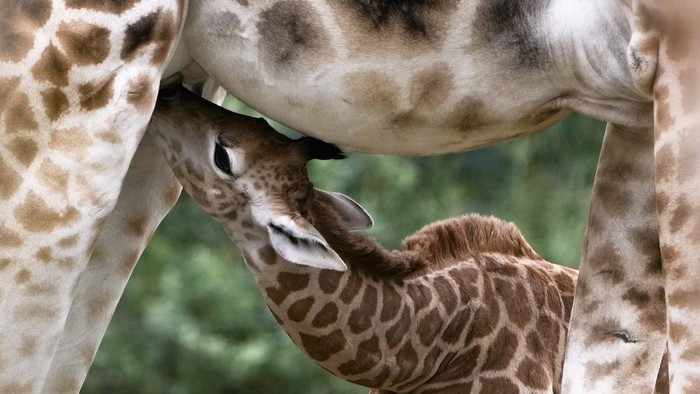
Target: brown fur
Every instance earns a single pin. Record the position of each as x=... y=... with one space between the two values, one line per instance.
x=436 y=245
x=456 y=239
x=359 y=250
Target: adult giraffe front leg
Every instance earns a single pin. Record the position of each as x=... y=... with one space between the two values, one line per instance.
x=149 y=192
x=78 y=82
x=676 y=44
x=618 y=328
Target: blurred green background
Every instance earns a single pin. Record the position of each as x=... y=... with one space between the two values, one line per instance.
x=192 y=320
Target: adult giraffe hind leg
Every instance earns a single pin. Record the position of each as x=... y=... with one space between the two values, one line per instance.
x=149 y=192
x=617 y=334
x=677 y=154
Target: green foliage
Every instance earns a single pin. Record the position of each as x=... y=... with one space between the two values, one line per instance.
x=192 y=320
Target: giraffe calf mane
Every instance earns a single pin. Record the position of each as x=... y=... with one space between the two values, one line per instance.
x=439 y=244
x=359 y=250
x=451 y=240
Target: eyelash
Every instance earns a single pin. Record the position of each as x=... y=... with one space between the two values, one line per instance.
x=222 y=159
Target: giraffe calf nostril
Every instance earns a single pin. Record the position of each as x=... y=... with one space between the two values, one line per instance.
x=625 y=336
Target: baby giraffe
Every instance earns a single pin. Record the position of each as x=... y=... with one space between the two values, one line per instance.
x=467 y=307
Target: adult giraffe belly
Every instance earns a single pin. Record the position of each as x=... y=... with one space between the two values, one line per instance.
x=376 y=81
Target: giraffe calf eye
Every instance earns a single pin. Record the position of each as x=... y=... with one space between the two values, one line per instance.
x=221 y=159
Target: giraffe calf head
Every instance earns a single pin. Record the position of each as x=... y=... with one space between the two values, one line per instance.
x=248 y=176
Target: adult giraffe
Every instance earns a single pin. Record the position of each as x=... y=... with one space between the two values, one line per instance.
x=76 y=89
x=449 y=75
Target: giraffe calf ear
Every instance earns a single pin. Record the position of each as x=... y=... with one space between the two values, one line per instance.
x=302 y=244
x=351 y=214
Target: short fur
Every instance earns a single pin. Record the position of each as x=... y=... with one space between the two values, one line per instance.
x=359 y=250
x=456 y=239
x=436 y=245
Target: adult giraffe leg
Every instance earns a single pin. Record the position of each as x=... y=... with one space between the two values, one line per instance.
x=617 y=334
x=677 y=154
x=149 y=192
x=77 y=89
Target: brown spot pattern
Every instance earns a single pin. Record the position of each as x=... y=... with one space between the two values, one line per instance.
x=268 y=255
x=395 y=334
x=360 y=319
x=419 y=295
x=372 y=90
x=71 y=142
x=19 y=114
x=35 y=312
x=53 y=67
x=532 y=374
x=466 y=361
x=329 y=280
x=517 y=305
x=431 y=87
x=407 y=357
x=366 y=358
x=391 y=303
x=9 y=238
x=292 y=282
x=68 y=242
x=454 y=329
x=501 y=351
x=94 y=96
x=54 y=177
x=22 y=276
x=498 y=385
x=680 y=215
x=19 y=21
x=321 y=348
x=28 y=347
x=110 y=6
x=157 y=28
x=36 y=216
x=430 y=326
x=292 y=37
x=352 y=287
x=411 y=30
x=55 y=102
x=299 y=309
x=326 y=316
x=10 y=180
x=467 y=115
x=446 y=294
x=24 y=150
x=136 y=226
x=84 y=43
x=684 y=298
x=44 y=254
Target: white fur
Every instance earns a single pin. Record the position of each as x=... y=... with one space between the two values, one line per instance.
x=311 y=249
